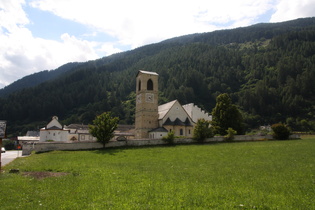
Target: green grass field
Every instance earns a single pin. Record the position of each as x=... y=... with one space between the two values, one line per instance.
x=248 y=175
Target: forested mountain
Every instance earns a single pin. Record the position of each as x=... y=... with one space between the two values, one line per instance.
x=268 y=70
x=36 y=79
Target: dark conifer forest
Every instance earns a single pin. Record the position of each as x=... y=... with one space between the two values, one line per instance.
x=267 y=69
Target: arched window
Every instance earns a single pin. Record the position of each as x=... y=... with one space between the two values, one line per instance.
x=139 y=87
x=150 y=85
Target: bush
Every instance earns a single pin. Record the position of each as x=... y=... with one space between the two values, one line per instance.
x=230 y=134
x=202 y=130
x=169 y=138
x=280 y=131
x=8 y=145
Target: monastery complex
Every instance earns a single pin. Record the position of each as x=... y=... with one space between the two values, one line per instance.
x=151 y=120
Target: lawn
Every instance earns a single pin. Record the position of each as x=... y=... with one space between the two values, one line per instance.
x=247 y=175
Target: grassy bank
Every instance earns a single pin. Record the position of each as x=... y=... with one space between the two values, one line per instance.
x=253 y=175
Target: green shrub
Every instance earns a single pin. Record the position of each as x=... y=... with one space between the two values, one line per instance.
x=169 y=138
x=230 y=134
x=8 y=145
x=280 y=131
x=202 y=130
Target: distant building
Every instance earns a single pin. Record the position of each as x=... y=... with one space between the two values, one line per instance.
x=153 y=121
x=32 y=133
x=30 y=137
x=54 y=131
x=124 y=132
x=79 y=132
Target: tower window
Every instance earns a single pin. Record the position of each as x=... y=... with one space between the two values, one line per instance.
x=139 y=87
x=150 y=85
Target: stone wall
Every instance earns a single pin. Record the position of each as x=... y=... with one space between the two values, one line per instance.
x=50 y=146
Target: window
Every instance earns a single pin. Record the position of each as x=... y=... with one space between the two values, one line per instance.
x=139 y=87
x=181 y=132
x=189 y=131
x=149 y=85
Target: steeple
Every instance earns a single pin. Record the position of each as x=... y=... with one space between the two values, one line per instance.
x=146 y=103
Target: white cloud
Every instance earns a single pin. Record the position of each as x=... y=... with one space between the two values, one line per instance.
x=129 y=23
x=22 y=54
x=12 y=14
x=293 y=9
x=140 y=22
x=109 y=48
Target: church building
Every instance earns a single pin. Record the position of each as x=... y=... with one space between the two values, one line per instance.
x=153 y=121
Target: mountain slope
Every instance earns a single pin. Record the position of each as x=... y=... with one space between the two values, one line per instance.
x=268 y=69
x=36 y=79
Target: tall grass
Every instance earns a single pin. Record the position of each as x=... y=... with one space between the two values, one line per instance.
x=252 y=175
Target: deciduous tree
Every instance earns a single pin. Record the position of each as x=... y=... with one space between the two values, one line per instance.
x=202 y=130
x=103 y=127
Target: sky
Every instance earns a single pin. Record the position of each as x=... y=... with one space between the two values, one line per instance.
x=37 y=35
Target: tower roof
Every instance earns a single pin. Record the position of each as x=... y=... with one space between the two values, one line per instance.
x=147 y=72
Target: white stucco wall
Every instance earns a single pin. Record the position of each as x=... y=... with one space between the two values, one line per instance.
x=55 y=135
x=196 y=113
x=176 y=111
x=157 y=135
x=49 y=146
x=54 y=123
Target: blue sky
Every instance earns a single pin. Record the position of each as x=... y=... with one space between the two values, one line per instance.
x=38 y=35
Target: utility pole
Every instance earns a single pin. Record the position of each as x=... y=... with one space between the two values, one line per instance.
x=3 y=125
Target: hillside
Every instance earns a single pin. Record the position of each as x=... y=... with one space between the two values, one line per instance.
x=268 y=69
x=36 y=79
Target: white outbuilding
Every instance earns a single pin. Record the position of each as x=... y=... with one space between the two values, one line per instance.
x=53 y=131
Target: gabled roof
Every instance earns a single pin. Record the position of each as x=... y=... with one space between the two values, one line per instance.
x=177 y=121
x=32 y=133
x=147 y=72
x=160 y=129
x=54 y=124
x=164 y=108
x=187 y=122
x=77 y=126
x=54 y=128
x=168 y=122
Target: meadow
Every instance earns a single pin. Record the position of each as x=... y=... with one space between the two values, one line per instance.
x=246 y=175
